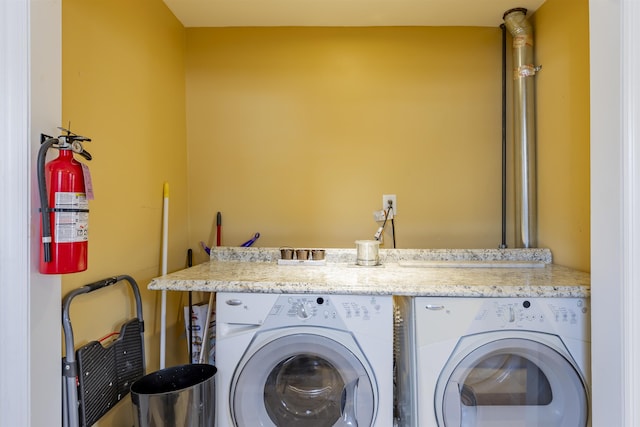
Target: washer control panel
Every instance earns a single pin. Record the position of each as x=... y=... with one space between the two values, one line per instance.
x=446 y=318
x=534 y=313
x=333 y=311
x=304 y=307
x=278 y=310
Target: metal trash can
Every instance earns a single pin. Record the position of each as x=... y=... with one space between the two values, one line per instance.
x=178 y=396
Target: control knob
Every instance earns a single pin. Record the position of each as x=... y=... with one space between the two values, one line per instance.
x=304 y=310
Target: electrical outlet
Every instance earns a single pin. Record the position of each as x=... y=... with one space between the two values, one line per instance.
x=389 y=200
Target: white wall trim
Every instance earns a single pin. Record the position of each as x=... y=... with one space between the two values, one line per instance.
x=14 y=215
x=44 y=300
x=30 y=337
x=615 y=211
x=630 y=100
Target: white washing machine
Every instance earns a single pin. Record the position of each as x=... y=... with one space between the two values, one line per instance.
x=499 y=362
x=304 y=360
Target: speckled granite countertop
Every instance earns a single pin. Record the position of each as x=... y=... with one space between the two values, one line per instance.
x=422 y=272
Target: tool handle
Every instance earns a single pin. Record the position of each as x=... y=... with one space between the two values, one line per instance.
x=189 y=264
x=218 y=228
x=250 y=241
x=100 y=284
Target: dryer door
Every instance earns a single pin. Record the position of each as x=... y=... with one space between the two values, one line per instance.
x=512 y=382
x=303 y=379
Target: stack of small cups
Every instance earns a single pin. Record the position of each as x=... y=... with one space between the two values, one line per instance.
x=302 y=254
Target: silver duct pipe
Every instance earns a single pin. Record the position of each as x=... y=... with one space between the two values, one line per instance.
x=524 y=127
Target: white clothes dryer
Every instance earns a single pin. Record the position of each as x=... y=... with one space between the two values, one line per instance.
x=499 y=362
x=304 y=360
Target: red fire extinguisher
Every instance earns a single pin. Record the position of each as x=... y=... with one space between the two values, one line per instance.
x=63 y=184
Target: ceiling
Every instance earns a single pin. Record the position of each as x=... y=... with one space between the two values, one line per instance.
x=271 y=13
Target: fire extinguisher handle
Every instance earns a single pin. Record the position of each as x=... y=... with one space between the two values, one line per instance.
x=86 y=154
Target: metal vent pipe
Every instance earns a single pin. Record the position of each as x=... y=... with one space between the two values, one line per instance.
x=524 y=127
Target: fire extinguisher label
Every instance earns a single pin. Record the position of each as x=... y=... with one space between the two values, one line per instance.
x=71 y=226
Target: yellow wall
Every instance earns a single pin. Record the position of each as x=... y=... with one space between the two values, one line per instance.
x=123 y=86
x=297 y=133
x=562 y=48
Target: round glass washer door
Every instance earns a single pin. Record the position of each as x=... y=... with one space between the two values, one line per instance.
x=306 y=380
x=512 y=382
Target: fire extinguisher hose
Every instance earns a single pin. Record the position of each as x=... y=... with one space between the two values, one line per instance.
x=44 y=201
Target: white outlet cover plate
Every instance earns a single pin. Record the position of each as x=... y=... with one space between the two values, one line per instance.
x=386 y=198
